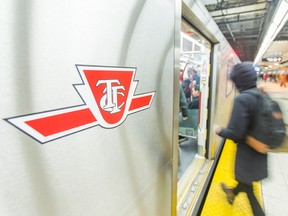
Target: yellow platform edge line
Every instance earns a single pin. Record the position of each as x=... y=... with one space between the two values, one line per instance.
x=216 y=202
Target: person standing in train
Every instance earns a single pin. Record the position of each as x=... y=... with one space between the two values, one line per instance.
x=183 y=105
x=251 y=161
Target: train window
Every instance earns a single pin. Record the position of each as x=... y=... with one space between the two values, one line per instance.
x=187 y=45
x=194 y=68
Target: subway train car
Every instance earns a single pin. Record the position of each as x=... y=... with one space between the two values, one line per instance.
x=90 y=121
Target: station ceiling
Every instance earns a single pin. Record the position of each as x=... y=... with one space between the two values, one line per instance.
x=244 y=24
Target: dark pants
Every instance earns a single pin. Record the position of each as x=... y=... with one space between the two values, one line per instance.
x=248 y=189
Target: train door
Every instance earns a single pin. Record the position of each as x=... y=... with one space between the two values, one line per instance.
x=194 y=73
x=195 y=55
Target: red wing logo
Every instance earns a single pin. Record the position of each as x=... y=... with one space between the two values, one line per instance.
x=108 y=95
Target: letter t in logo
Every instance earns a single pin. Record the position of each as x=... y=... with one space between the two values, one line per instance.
x=109 y=101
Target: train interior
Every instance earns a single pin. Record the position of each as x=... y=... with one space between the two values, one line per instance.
x=194 y=62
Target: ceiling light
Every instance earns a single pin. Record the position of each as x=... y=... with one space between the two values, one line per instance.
x=282 y=9
x=279 y=19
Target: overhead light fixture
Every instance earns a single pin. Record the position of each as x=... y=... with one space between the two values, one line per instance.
x=281 y=10
x=279 y=19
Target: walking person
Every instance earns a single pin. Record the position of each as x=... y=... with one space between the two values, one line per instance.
x=283 y=80
x=251 y=161
x=265 y=77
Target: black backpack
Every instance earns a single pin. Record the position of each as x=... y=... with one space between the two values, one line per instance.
x=268 y=125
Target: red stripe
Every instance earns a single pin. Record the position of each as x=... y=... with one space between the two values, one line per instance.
x=58 y=123
x=139 y=102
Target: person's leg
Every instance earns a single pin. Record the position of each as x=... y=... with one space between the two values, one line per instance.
x=239 y=188
x=232 y=192
x=248 y=189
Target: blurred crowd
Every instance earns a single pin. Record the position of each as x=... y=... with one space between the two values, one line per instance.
x=280 y=79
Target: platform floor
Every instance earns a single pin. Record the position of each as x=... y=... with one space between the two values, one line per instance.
x=271 y=192
x=275 y=187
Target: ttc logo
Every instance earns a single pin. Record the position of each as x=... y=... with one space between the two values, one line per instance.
x=108 y=96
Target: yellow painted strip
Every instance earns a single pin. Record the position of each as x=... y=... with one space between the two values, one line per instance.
x=216 y=202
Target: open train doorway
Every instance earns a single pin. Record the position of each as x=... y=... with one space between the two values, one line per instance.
x=194 y=80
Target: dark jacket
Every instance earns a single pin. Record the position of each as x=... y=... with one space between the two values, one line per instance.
x=183 y=103
x=194 y=104
x=250 y=165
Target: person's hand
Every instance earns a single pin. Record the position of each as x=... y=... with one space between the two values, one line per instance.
x=216 y=129
x=257 y=145
x=185 y=118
